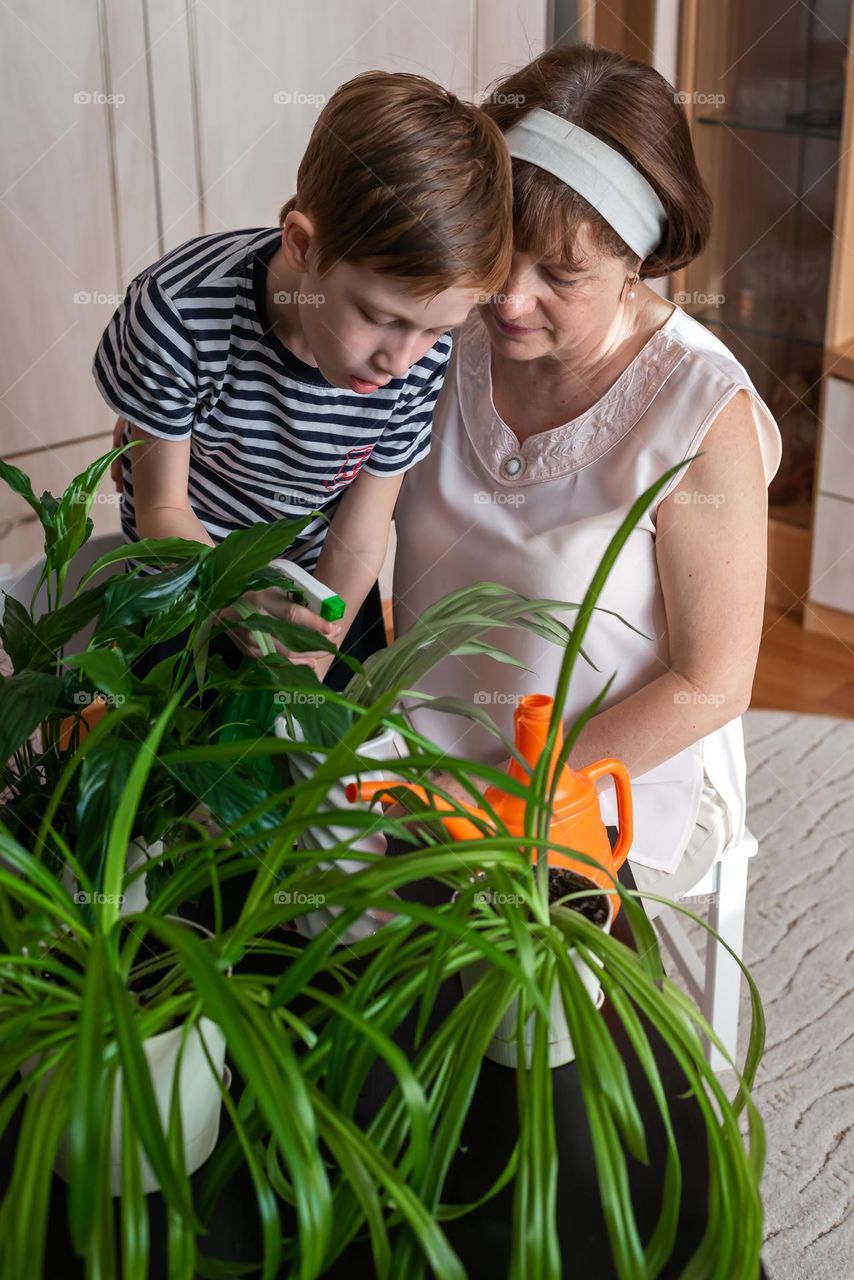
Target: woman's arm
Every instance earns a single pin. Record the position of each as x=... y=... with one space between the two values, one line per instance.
x=711 y=549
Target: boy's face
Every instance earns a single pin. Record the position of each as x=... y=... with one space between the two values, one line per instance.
x=364 y=328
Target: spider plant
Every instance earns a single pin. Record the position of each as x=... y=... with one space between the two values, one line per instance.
x=525 y=944
x=538 y=938
x=304 y=1030
x=305 y=1027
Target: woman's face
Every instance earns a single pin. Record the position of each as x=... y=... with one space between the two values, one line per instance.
x=545 y=310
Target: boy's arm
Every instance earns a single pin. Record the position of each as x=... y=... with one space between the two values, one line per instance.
x=356 y=543
x=145 y=368
x=357 y=540
x=161 y=470
x=162 y=510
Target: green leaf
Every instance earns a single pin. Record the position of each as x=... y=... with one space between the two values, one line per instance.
x=231 y=565
x=440 y=1255
x=17 y=634
x=91 y=1107
x=247 y=716
x=451 y=626
x=56 y=628
x=129 y=599
x=543 y=783
x=227 y=794
x=291 y=635
x=26 y=699
x=134 y=1210
x=171 y=621
x=267 y=1062
x=268 y=1208
x=181 y=1245
x=20 y=484
x=104 y=776
x=50 y=506
x=535 y=1243
x=106 y=668
x=137 y=1086
x=125 y=815
x=248 y=713
x=25 y=1230
x=163 y=552
x=71 y=526
x=301 y=697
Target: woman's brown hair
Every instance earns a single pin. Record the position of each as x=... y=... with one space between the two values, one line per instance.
x=403 y=176
x=633 y=109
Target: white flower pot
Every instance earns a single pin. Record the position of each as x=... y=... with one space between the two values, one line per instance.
x=502 y=1047
x=135 y=898
x=387 y=745
x=200 y=1098
x=201 y=1102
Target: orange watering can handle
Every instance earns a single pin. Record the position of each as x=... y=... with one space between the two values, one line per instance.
x=623 y=787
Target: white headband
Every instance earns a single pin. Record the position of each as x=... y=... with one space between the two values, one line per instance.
x=606 y=180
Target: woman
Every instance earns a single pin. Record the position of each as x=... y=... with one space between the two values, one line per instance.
x=568 y=395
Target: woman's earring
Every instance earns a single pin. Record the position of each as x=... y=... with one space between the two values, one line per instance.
x=633 y=281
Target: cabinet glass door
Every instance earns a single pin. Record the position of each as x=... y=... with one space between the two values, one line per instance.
x=767 y=116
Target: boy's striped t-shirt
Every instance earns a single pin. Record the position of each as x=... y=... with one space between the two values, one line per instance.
x=191 y=352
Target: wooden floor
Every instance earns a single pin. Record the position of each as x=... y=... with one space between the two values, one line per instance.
x=801 y=671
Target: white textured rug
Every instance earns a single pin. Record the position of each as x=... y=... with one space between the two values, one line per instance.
x=799 y=943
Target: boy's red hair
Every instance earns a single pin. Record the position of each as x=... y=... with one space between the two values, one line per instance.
x=401 y=175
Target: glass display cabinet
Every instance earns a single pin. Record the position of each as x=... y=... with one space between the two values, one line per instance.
x=764 y=86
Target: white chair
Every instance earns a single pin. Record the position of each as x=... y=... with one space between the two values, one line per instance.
x=715 y=984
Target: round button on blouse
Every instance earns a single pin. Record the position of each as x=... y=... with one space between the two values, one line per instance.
x=513 y=465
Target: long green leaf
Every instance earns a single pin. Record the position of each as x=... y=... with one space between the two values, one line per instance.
x=134 y=1211
x=91 y=1107
x=269 y=1066
x=136 y=1083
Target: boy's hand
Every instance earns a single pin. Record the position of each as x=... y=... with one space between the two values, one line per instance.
x=274 y=603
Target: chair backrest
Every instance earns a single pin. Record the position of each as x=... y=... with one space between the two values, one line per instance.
x=23 y=586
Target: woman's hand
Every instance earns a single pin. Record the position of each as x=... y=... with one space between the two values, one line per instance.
x=455 y=788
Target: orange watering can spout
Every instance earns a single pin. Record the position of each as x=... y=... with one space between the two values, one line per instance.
x=453 y=821
x=531 y=722
x=576 y=820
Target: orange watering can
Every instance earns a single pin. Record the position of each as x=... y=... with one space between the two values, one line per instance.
x=576 y=818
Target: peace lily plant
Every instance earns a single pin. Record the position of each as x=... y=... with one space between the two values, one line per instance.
x=84 y=988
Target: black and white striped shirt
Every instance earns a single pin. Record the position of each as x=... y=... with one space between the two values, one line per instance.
x=191 y=352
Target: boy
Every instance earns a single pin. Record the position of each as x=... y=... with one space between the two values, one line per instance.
x=275 y=372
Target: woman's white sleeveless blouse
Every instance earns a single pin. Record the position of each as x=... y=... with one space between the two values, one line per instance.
x=537 y=517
